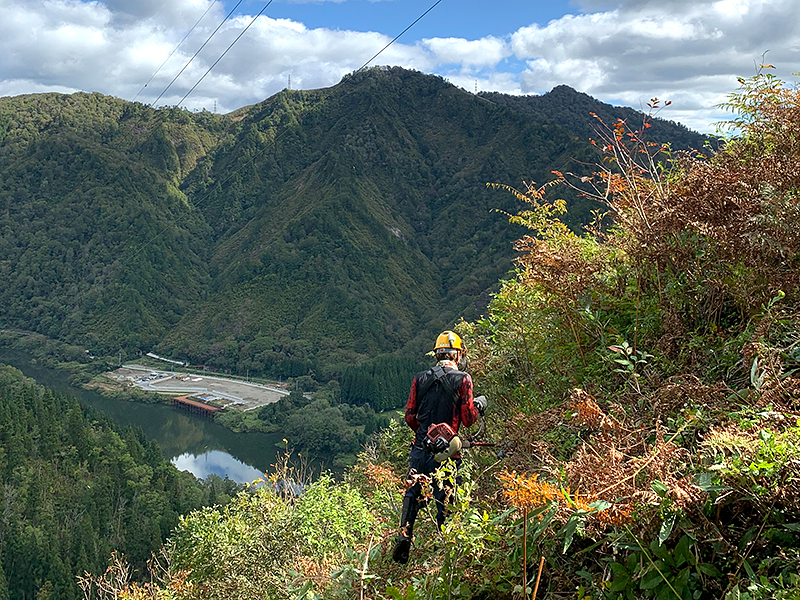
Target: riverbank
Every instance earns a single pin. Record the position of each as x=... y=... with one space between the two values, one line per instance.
x=345 y=428
x=221 y=392
x=192 y=443
x=107 y=376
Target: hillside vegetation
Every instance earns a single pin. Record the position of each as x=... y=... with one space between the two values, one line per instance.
x=98 y=244
x=644 y=395
x=75 y=488
x=296 y=237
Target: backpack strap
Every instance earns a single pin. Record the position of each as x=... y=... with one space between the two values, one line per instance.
x=438 y=375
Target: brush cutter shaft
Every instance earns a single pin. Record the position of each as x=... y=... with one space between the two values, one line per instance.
x=469 y=444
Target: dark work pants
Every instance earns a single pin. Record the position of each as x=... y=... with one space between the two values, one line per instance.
x=422 y=462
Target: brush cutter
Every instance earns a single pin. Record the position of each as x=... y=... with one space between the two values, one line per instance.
x=443 y=442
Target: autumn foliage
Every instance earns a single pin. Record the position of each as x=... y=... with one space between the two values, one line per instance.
x=664 y=343
x=644 y=378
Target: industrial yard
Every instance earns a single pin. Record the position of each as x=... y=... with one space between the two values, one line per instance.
x=218 y=391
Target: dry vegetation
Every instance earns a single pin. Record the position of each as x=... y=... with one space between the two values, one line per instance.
x=644 y=389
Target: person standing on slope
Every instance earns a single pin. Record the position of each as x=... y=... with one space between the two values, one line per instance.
x=442 y=394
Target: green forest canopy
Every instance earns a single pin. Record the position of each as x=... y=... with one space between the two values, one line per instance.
x=304 y=234
x=76 y=488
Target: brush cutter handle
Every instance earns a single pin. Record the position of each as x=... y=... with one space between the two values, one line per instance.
x=470 y=444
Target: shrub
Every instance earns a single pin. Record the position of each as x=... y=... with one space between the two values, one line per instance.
x=238 y=551
x=330 y=517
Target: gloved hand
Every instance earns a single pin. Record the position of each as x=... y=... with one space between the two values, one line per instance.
x=480 y=403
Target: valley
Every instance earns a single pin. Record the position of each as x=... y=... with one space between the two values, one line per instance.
x=641 y=435
x=194 y=443
x=297 y=237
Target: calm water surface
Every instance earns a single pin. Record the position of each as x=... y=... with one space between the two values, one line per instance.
x=192 y=443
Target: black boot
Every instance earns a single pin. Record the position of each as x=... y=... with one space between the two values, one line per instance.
x=402 y=547
x=402 y=544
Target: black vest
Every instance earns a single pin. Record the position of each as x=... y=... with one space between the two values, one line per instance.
x=437 y=398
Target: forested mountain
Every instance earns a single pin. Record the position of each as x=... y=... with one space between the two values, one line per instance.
x=98 y=245
x=299 y=235
x=569 y=108
x=75 y=488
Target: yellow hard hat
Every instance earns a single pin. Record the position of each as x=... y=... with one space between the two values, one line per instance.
x=448 y=340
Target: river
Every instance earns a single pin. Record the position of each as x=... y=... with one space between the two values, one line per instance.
x=190 y=442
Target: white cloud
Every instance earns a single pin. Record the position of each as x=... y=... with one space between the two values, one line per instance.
x=486 y=52
x=18 y=87
x=492 y=81
x=687 y=51
x=217 y=462
x=169 y=13
x=114 y=47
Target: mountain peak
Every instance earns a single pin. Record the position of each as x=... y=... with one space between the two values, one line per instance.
x=306 y=232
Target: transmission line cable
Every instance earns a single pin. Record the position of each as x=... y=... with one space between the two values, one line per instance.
x=230 y=176
x=174 y=50
x=399 y=35
x=196 y=53
x=278 y=136
x=226 y=51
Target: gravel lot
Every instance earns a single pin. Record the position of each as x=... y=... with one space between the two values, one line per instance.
x=226 y=393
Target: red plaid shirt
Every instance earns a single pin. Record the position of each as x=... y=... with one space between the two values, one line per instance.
x=468 y=413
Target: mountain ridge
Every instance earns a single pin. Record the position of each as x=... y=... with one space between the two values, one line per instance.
x=301 y=234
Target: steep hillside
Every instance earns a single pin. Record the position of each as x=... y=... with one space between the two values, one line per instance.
x=98 y=244
x=368 y=221
x=302 y=234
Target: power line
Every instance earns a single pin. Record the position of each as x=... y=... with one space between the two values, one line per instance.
x=196 y=203
x=226 y=51
x=174 y=50
x=278 y=136
x=196 y=53
x=397 y=37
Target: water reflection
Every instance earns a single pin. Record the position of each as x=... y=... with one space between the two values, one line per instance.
x=181 y=436
x=217 y=463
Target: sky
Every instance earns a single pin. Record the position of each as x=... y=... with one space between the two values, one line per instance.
x=219 y=463
x=623 y=52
